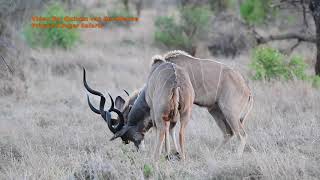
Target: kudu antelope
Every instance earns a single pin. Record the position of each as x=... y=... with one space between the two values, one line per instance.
x=167 y=95
x=220 y=89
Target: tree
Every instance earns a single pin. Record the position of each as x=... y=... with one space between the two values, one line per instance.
x=314 y=7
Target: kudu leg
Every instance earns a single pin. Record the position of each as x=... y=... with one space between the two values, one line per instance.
x=243 y=140
x=236 y=127
x=167 y=138
x=233 y=119
x=183 y=123
x=161 y=136
x=221 y=121
x=181 y=142
x=173 y=136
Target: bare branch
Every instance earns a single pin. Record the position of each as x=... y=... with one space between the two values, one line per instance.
x=296 y=5
x=295 y=46
x=11 y=71
x=289 y=50
x=285 y=36
x=304 y=13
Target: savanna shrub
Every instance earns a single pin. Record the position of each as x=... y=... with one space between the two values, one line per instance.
x=170 y=33
x=297 y=68
x=52 y=37
x=147 y=170
x=182 y=34
x=194 y=20
x=254 y=11
x=269 y=63
x=316 y=81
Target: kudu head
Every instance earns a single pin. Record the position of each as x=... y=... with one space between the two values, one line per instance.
x=117 y=126
x=138 y=120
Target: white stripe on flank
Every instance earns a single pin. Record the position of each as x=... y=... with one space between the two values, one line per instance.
x=202 y=77
x=215 y=98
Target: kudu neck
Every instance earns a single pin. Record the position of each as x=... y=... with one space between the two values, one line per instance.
x=139 y=111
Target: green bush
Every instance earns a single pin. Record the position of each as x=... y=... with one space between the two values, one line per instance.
x=182 y=34
x=171 y=34
x=52 y=37
x=254 y=11
x=316 y=81
x=297 y=68
x=147 y=170
x=269 y=63
x=194 y=20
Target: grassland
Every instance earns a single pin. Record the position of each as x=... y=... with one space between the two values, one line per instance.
x=47 y=130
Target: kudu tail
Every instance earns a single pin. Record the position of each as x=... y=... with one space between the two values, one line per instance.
x=174 y=101
x=247 y=110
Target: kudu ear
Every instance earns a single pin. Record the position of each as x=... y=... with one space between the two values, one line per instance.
x=119 y=102
x=156 y=60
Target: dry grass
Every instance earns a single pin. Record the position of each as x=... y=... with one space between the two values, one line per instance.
x=50 y=133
